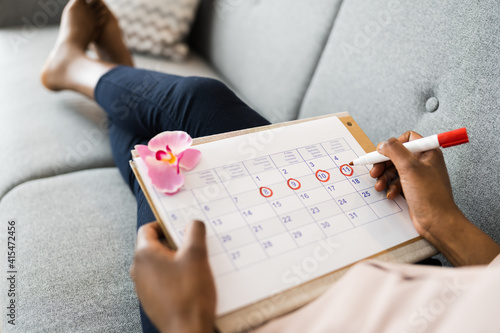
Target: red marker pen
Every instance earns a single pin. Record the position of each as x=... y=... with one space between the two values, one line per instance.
x=445 y=140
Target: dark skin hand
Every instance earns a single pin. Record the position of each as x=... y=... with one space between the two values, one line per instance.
x=176 y=289
x=426 y=183
x=424 y=180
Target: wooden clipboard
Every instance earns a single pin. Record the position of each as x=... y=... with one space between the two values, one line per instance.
x=256 y=314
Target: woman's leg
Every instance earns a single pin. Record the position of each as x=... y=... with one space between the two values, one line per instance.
x=144 y=103
x=139 y=103
x=147 y=103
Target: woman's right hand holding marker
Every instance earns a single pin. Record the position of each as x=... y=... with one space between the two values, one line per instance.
x=424 y=180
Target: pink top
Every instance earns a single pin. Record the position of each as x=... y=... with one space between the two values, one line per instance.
x=375 y=296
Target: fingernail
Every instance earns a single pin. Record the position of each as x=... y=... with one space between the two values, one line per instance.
x=381 y=145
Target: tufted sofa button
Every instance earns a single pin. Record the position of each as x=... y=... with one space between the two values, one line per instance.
x=432 y=104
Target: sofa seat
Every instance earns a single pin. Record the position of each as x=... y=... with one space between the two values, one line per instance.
x=73 y=264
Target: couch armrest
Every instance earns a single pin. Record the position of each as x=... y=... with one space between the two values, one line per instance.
x=30 y=13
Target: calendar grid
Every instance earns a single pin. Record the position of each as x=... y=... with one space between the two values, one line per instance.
x=267 y=199
x=307 y=208
x=324 y=185
x=166 y=214
x=291 y=219
x=334 y=198
x=208 y=221
x=358 y=192
x=400 y=209
x=244 y=217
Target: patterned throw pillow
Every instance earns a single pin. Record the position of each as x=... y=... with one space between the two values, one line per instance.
x=156 y=27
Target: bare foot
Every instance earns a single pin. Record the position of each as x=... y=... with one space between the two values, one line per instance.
x=109 y=43
x=78 y=28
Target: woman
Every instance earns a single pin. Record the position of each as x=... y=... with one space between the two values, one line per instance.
x=177 y=289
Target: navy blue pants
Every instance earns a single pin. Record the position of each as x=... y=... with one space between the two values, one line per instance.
x=141 y=104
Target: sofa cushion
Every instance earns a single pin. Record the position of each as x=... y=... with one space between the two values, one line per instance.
x=156 y=27
x=74 y=246
x=45 y=133
x=425 y=66
x=266 y=49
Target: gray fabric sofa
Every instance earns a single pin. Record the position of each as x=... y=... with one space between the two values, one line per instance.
x=394 y=65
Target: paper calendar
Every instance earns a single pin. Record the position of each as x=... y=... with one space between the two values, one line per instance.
x=281 y=208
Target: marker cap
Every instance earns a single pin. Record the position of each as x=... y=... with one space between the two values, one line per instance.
x=453 y=138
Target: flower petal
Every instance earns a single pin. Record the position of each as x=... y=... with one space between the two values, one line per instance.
x=177 y=141
x=144 y=151
x=189 y=158
x=164 y=176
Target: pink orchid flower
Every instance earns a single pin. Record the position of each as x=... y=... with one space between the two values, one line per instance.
x=165 y=155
